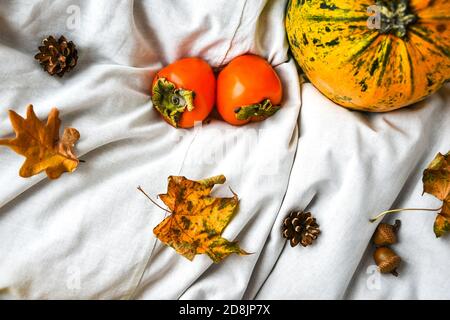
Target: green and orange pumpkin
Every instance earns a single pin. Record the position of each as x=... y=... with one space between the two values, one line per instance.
x=372 y=55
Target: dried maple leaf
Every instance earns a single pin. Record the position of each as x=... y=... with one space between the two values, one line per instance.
x=40 y=144
x=436 y=181
x=197 y=220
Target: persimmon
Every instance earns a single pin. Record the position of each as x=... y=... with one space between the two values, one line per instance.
x=184 y=92
x=248 y=89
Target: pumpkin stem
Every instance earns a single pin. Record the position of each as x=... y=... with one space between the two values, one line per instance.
x=170 y=101
x=264 y=109
x=395 y=16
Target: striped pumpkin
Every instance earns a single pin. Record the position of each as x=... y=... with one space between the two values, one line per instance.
x=372 y=55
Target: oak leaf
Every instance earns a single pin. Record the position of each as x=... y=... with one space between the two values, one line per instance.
x=197 y=220
x=40 y=144
x=436 y=181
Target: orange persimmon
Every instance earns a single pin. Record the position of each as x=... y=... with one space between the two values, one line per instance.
x=248 y=89
x=184 y=92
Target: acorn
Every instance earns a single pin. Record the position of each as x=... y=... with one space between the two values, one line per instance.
x=386 y=234
x=387 y=260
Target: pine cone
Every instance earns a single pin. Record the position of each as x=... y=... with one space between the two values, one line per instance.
x=57 y=57
x=300 y=227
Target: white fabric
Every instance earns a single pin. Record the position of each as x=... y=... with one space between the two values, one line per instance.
x=89 y=234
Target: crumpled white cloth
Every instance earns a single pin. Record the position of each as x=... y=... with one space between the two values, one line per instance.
x=89 y=234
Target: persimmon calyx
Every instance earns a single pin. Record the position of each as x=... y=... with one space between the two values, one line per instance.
x=171 y=101
x=264 y=109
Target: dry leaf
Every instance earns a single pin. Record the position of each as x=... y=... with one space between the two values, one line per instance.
x=197 y=220
x=40 y=144
x=436 y=181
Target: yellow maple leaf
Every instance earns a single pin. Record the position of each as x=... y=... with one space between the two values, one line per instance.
x=436 y=181
x=197 y=220
x=40 y=144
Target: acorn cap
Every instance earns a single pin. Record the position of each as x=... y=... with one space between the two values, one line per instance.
x=386 y=234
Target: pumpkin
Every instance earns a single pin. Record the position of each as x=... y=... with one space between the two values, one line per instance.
x=372 y=55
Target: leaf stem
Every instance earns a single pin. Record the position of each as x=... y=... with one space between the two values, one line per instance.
x=153 y=201
x=382 y=214
x=210 y=182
